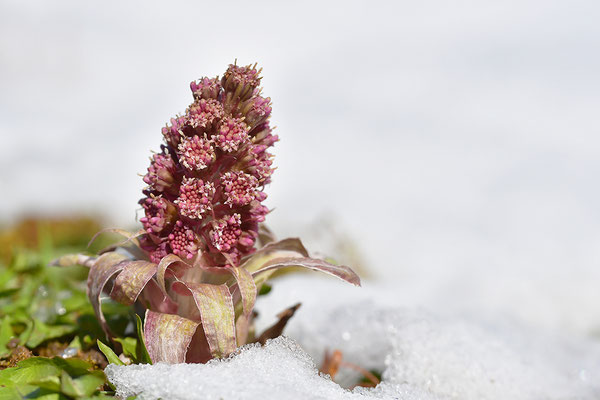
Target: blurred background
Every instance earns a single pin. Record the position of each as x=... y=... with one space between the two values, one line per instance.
x=451 y=149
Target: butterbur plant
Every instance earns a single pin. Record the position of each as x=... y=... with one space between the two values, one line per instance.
x=203 y=253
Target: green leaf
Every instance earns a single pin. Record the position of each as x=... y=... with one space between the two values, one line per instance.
x=143 y=357
x=82 y=386
x=51 y=383
x=73 y=366
x=9 y=393
x=29 y=370
x=8 y=292
x=42 y=332
x=130 y=347
x=109 y=354
x=264 y=289
x=6 y=333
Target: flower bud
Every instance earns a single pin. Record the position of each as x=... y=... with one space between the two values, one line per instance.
x=241 y=82
x=161 y=175
x=206 y=88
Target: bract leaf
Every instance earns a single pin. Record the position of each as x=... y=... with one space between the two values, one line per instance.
x=290 y=247
x=265 y=235
x=131 y=280
x=168 y=261
x=130 y=237
x=217 y=314
x=73 y=259
x=340 y=271
x=153 y=298
x=168 y=336
x=103 y=269
x=247 y=289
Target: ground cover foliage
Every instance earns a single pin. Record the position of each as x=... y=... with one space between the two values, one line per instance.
x=48 y=331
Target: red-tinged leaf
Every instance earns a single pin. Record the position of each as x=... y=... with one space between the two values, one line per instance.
x=132 y=247
x=153 y=298
x=265 y=235
x=168 y=336
x=290 y=247
x=130 y=237
x=247 y=290
x=73 y=259
x=169 y=262
x=216 y=313
x=131 y=280
x=340 y=271
x=101 y=271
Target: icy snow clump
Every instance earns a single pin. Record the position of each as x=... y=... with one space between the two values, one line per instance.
x=422 y=356
x=279 y=370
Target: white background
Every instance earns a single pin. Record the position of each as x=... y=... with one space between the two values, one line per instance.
x=457 y=143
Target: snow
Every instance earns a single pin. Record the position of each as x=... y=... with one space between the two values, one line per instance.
x=423 y=354
x=280 y=370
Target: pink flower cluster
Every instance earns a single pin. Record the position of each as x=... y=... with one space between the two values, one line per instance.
x=205 y=187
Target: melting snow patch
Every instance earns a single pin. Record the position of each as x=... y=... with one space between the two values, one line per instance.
x=279 y=370
x=422 y=356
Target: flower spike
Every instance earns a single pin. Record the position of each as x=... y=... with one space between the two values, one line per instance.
x=197 y=265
